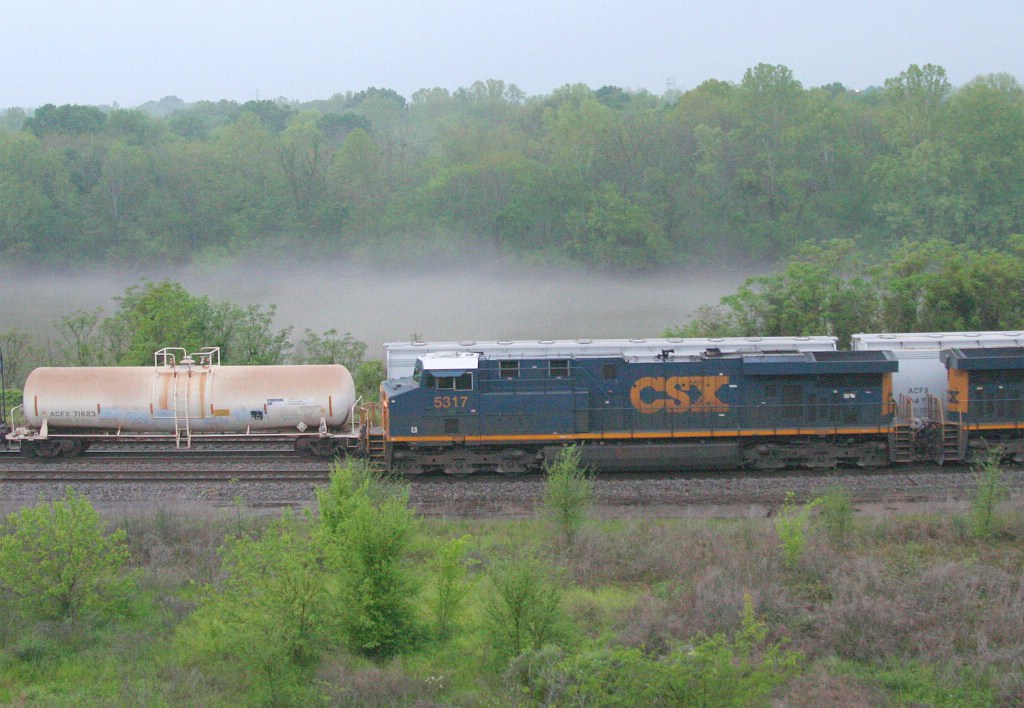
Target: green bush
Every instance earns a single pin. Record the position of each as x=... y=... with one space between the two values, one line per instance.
x=568 y=492
x=984 y=517
x=273 y=615
x=369 y=530
x=58 y=562
x=711 y=671
x=791 y=526
x=452 y=587
x=524 y=607
x=835 y=515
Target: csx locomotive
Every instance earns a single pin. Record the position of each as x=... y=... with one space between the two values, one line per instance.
x=508 y=407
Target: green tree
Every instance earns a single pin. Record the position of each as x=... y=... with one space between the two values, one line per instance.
x=524 y=606
x=68 y=119
x=275 y=611
x=568 y=492
x=612 y=231
x=991 y=490
x=19 y=356
x=368 y=527
x=333 y=348
x=452 y=586
x=59 y=562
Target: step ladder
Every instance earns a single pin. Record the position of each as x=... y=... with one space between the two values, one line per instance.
x=952 y=443
x=182 y=427
x=375 y=443
x=903 y=438
x=901 y=444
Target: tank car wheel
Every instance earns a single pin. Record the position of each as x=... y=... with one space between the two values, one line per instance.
x=49 y=448
x=324 y=448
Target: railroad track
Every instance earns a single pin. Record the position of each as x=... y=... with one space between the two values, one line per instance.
x=164 y=476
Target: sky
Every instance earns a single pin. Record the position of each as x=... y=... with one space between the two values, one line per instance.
x=127 y=52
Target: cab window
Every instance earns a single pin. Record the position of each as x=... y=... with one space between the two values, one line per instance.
x=462 y=382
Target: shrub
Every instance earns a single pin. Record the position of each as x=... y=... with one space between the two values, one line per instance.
x=791 y=526
x=369 y=529
x=713 y=671
x=452 y=587
x=984 y=518
x=835 y=515
x=568 y=493
x=58 y=562
x=524 y=608
x=274 y=613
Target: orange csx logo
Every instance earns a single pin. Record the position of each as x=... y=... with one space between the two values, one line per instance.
x=678 y=394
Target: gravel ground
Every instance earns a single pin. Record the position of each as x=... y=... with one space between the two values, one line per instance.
x=617 y=496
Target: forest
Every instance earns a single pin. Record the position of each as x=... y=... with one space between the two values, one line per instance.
x=604 y=178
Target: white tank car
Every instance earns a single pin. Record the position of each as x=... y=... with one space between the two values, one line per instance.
x=921 y=371
x=176 y=393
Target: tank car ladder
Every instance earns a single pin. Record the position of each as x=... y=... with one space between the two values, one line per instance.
x=182 y=427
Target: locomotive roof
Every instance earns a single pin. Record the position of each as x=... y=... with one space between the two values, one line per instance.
x=994 y=358
x=402 y=356
x=937 y=340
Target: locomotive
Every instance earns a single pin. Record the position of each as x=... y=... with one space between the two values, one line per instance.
x=510 y=407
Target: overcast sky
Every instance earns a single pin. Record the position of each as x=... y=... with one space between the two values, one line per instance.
x=132 y=51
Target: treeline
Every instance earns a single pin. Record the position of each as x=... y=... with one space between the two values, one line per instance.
x=154 y=315
x=829 y=289
x=607 y=177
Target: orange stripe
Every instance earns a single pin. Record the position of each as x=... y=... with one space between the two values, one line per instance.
x=647 y=436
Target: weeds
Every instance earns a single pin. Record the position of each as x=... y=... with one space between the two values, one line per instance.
x=985 y=520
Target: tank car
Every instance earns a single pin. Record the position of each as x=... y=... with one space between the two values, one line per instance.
x=185 y=398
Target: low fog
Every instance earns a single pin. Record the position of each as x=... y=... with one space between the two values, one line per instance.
x=453 y=302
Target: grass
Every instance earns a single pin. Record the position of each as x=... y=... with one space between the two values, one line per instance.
x=905 y=610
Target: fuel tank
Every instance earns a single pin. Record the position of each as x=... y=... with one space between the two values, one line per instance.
x=215 y=399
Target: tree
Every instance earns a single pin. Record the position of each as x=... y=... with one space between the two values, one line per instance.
x=333 y=348
x=59 y=562
x=524 y=607
x=19 y=355
x=69 y=119
x=611 y=231
x=275 y=610
x=568 y=492
x=368 y=528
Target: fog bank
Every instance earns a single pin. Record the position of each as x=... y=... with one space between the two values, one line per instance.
x=454 y=302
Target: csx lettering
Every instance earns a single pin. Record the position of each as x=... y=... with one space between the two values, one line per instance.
x=678 y=394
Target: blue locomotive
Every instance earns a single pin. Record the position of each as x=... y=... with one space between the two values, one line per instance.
x=465 y=411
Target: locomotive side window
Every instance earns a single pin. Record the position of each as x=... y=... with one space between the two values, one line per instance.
x=610 y=371
x=463 y=382
x=558 y=368
x=508 y=369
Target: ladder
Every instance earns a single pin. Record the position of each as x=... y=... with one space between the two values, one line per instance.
x=952 y=443
x=902 y=438
x=901 y=444
x=949 y=447
x=375 y=443
x=182 y=428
